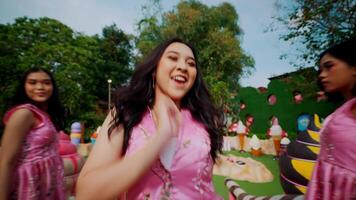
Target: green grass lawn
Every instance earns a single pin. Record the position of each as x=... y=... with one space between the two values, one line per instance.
x=270 y=188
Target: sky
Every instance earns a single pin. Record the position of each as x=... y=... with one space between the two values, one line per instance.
x=90 y=16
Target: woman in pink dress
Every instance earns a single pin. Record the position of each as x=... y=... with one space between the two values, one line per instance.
x=30 y=165
x=162 y=138
x=334 y=175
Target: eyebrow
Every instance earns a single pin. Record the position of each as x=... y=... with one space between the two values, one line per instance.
x=33 y=79
x=326 y=62
x=189 y=57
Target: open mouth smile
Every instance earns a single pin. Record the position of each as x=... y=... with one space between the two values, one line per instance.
x=180 y=79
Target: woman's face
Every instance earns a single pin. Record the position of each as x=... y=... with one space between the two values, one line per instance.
x=38 y=86
x=176 y=71
x=336 y=75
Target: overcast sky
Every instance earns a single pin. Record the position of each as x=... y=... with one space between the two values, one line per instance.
x=90 y=16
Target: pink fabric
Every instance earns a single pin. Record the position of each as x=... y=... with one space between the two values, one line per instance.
x=334 y=175
x=190 y=176
x=39 y=171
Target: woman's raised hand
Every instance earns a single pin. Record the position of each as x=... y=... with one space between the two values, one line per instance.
x=168 y=116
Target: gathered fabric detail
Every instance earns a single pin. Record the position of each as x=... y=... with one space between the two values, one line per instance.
x=38 y=172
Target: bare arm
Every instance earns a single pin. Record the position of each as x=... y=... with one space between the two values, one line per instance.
x=15 y=132
x=106 y=175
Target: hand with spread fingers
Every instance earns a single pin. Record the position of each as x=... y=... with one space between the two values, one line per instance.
x=167 y=114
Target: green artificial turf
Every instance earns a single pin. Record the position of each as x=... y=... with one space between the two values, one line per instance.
x=270 y=188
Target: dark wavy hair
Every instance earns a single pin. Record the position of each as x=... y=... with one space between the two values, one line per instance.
x=132 y=101
x=55 y=108
x=345 y=51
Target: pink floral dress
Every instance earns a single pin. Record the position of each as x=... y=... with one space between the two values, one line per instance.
x=190 y=175
x=334 y=175
x=38 y=171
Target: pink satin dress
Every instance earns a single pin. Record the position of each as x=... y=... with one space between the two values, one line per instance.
x=38 y=173
x=334 y=175
x=190 y=175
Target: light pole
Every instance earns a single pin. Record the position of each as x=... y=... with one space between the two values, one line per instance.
x=109 y=94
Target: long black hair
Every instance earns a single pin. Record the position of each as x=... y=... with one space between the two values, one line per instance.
x=345 y=51
x=131 y=101
x=55 y=108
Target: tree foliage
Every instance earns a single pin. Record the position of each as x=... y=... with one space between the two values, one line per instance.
x=81 y=64
x=315 y=25
x=213 y=31
x=116 y=52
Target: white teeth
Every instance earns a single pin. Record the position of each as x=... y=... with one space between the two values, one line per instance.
x=179 y=78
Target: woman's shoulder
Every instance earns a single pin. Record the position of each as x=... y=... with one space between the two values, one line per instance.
x=190 y=121
x=349 y=106
x=346 y=113
x=19 y=111
x=351 y=101
x=24 y=110
x=352 y=108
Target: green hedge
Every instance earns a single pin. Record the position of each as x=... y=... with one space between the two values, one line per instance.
x=285 y=109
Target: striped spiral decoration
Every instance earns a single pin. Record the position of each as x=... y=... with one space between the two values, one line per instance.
x=239 y=194
x=297 y=164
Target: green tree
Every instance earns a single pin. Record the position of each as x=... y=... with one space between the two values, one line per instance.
x=48 y=43
x=79 y=63
x=116 y=51
x=213 y=31
x=314 y=25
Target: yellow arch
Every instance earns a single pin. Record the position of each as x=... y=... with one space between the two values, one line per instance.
x=314 y=135
x=317 y=121
x=304 y=168
x=302 y=189
x=315 y=150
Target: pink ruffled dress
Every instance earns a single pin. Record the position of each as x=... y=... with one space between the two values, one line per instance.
x=38 y=171
x=334 y=175
x=190 y=175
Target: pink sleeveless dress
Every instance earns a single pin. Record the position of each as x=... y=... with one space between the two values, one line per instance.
x=334 y=175
x=190 y=175
x=38 y=171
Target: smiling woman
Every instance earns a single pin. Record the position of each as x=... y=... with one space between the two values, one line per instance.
x=38 y=87
x=163 y=136
x=176 y=72
x=30 y=165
